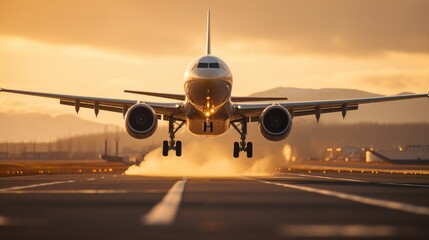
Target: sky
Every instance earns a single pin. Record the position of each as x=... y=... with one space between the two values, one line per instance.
x=100 y=48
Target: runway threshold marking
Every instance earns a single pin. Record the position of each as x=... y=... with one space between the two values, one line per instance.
x=360 y=181
x=165 y=211
x=404 y=207
x=34 y=185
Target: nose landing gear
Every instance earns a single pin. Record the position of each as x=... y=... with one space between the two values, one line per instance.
x=173 y=126
x=241 y=127
x=207 y=126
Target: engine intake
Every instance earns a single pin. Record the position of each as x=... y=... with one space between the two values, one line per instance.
x=141 y=121
x=275 y=123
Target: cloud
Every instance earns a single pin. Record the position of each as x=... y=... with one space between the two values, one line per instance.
x=356 y=27
x=398 y=80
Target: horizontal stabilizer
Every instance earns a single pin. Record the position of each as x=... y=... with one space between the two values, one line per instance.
x=180 y=97
x=257 y=99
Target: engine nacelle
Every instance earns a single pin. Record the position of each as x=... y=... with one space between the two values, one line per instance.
x=275 y=123
x=141 y=121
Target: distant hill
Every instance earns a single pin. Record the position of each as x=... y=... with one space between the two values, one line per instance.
x=407 y=111
x=43 y=127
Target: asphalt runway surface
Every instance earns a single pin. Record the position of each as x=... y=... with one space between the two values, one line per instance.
x=290 y=205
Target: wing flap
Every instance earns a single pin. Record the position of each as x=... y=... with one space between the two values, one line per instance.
x=92 y=106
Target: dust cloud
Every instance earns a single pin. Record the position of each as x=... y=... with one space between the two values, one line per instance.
x=210 y=157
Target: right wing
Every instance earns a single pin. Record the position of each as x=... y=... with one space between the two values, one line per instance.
x=303 y=108
x=106 y=104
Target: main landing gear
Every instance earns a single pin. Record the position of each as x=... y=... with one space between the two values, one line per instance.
x=241 y=127
x=173 y=126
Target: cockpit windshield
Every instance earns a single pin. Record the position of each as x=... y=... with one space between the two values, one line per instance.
x=208 y=65
x=203 y=65
x=213 y=65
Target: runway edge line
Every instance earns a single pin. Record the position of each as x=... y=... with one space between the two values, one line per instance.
x=404 y=207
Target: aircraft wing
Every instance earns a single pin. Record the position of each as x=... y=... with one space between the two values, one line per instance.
x=106 y=104
x=303 y=108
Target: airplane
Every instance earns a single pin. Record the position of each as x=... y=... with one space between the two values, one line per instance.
x=208 y=109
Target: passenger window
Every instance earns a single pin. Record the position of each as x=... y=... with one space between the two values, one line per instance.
x=214 y=65
x=203 y=65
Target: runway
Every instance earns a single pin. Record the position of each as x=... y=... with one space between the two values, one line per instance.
x=291 y=204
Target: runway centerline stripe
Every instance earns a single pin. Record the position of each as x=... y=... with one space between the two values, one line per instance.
x=165 y=211
x=360 y=181
x=34 y=185
x=415 y=209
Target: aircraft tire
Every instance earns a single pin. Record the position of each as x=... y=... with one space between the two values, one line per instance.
x=236 y=149
x=249 y=149
x=179 y=148
x=165 y=148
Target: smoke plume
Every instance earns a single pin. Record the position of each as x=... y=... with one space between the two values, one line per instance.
x=212 y=157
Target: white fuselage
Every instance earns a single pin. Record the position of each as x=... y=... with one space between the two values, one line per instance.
x=208 y=85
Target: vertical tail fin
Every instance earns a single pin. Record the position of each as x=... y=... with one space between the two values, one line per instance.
x=208 y=48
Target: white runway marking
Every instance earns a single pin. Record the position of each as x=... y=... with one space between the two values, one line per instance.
x=421 y=210
x=34 y=185
x=331 y=178
x=353 y=231
x=360 y=181
x=165 y=211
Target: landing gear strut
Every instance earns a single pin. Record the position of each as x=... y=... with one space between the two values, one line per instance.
x=207 y=126
x=173 y=126
x=241 y=127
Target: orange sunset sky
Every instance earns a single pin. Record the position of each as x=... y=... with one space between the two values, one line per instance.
x=100 y=48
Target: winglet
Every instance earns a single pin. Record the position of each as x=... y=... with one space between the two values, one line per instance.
x=208 y=47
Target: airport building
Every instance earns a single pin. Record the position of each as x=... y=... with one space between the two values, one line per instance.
x=346 y=154
x=414 y=154
x=408 y=154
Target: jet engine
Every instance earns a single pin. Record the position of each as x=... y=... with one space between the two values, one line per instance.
x=141 y=121
x=275 y=123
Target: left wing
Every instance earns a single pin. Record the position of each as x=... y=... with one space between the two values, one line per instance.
x=106 y=104
x=253 y=111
